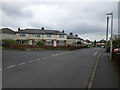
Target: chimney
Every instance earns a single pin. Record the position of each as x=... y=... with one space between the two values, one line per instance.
x=76 y=35
x=18 y=29
x=42 y=28
x=71 y=33
x=63 y=31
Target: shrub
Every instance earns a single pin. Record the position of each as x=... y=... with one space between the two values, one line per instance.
x=8 y=42
x=27 y=42
x=78 y=42
x=39 y=43
x=116 y=43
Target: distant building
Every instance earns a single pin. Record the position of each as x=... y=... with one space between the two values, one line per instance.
x=73 y=39
x=87 y=42
x=101 y=43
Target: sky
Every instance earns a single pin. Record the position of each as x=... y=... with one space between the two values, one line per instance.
x=87 y=19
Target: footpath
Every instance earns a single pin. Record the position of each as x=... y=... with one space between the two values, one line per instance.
x=106 y=75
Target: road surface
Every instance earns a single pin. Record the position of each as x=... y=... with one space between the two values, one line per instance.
x=50 y=68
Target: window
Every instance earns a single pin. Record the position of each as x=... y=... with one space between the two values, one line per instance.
x=48 y=35
x=22 y=42
x=61 y=42
x=48 y=42
x=62 y=36
x=37 y=35
x=22 y=34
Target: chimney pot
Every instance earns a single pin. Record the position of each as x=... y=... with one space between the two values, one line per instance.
x=76 y=35
x=18 y=29
x=42 y=28
x=71 y=33
x=63 y=31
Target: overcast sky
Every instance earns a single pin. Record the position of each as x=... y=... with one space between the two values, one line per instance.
x=87 y=19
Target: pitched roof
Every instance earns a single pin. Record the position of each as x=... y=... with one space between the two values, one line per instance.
x=88 y=41
x=7 y=30
x=102 y=41
x=71 y=36
x=40 y=31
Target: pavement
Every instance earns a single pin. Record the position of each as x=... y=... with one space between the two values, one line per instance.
x=57 y=69
x=106 y=75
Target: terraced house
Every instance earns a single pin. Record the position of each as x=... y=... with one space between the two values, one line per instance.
x=48 y=37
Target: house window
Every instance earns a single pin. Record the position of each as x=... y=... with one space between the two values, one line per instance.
x=61 y=42
x=22 y=42
x=61 y=36
x=22 y=34
x=48 y=35
x=37 y=35
x=48 y=42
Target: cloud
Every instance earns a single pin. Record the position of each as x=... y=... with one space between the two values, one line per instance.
x=16 y=10
x=81 y=18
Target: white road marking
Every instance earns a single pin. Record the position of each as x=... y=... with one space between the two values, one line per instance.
x=95 y=53
x=0 y=69
x=37 y=59
x=31 y=61
x=53 y=55
x=10 y=66
x=22 y=63
x=93 y=73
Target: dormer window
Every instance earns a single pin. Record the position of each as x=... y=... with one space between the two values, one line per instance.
x=22 y=34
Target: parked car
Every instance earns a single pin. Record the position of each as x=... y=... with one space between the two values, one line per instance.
x=116 y=50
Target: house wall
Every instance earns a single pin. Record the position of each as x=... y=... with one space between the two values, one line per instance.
x=7 y=36
x=43 y=38
x=71 y=41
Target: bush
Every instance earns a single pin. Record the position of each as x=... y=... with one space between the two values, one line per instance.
x=39 y=43
x=116 y=43
x=8 y=42
x=78 y=42
x=27 y=42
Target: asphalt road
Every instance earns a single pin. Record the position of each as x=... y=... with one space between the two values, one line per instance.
x=49 y=69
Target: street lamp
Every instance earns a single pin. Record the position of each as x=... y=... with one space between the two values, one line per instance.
x=107 y=30
x=111 y=46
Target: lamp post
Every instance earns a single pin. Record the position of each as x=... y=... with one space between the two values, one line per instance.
x=111 y=46
x=107 y=30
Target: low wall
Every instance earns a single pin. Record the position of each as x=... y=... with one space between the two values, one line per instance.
x=35 y=47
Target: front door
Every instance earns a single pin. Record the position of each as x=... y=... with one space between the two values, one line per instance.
x=54 y=43
x=30 y=42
